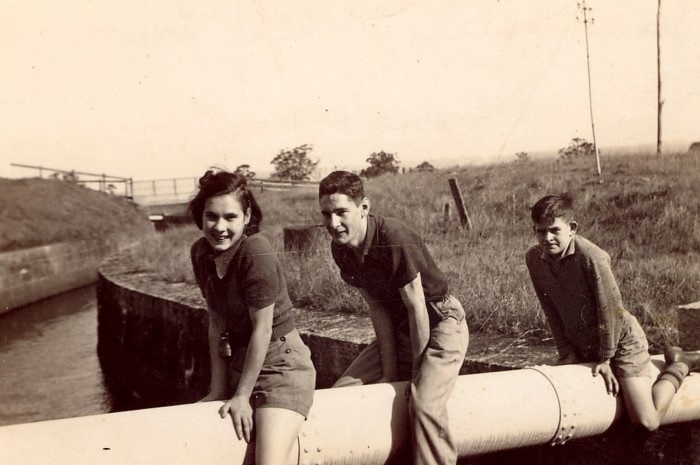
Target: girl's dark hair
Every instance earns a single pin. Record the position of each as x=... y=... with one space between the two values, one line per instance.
x=342 y=182
x=218 y=182
x=553 y=206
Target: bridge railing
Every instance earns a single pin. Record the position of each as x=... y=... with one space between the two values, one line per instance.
x=99 y=181
x=181 y=190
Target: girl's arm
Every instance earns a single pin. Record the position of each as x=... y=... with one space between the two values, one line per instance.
x=418 y=322
x=239 y=404
x=384 y=330
x=217 y=385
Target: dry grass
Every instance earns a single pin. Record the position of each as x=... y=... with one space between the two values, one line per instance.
x=644 y=211
x=37 y=212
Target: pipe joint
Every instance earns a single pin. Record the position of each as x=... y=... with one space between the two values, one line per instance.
x=569 y=408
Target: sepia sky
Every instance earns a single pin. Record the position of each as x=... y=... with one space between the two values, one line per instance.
x=156 y=89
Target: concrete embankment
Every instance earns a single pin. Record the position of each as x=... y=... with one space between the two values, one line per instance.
x=54 y=235
x=153 y=339
x=29 y=275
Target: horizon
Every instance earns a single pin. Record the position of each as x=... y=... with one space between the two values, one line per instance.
x=159 y=90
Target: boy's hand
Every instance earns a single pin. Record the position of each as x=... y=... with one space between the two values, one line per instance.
x=241 y=414
x=611 y=383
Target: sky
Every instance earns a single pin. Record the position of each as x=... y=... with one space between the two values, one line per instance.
x=156 y=89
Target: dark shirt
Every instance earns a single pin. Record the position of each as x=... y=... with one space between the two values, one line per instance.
x=580 y=298
x=245 y=277
x=392 y=256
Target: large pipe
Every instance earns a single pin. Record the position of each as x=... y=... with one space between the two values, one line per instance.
x=362 y=425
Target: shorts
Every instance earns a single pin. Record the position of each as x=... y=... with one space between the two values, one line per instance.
x=287 y=378
x=632 y=358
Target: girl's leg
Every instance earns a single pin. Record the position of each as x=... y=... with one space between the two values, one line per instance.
x=276 y=432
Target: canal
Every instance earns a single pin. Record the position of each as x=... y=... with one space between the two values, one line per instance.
x=49 y=369
x=48 y=360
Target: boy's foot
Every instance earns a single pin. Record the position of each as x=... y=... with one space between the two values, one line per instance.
x=674 y=354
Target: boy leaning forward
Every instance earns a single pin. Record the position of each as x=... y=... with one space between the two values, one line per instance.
x=421 y=330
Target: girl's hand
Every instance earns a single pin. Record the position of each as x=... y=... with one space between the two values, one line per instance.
x=241 y=414
x=611 y=383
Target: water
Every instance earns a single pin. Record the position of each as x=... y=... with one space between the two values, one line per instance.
x=49 y=370
x=48 y=360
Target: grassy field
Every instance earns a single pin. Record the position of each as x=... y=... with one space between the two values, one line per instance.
x=43 y=211
x=643 y=210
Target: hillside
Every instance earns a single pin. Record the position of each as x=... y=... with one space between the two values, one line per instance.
x=44 y=211
x=644 y=210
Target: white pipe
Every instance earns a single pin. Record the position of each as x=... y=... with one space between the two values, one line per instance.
x=361 y=425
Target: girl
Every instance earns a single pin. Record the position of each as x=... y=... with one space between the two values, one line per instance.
x=258 y=360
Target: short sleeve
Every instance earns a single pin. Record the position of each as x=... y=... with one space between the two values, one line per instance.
x=259 y=272
x=406 y=252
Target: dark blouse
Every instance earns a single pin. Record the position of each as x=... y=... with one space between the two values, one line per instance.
x=246 y=277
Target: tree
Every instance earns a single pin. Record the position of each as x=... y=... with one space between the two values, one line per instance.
x=380 y=163
x=425 y=167
x=578 y=147
x=522 y=157
x=244 y=170
x=294 y=164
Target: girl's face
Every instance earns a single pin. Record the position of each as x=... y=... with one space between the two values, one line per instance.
x=223 y=221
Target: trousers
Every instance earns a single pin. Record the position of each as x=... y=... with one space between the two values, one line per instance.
x=431 y=387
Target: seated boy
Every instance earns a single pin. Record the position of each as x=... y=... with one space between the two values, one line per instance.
x=421 y=330
x=575 y=285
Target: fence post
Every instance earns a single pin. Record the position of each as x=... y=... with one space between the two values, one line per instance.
x=459 y=202
x=445 y=217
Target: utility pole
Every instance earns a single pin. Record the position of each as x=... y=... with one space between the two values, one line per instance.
x=658 y=79
x=590 y=98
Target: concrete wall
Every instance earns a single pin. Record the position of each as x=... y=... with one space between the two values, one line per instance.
x=153 y=345
x=29 y=275
x=153 y=340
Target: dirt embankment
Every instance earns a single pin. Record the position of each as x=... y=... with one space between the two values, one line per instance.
x=38 y=212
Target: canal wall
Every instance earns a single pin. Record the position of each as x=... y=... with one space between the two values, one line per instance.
x=153 y=339
x=32 y=274
x=153 y=343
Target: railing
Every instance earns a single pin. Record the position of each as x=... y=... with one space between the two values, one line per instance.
x=181 y=190
x=101 y=182
x=154 y=191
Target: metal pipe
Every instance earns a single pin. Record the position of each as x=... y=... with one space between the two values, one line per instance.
x=362 y=425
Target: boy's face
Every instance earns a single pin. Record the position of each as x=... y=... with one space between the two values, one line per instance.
x=554 y=238
x=345 y=220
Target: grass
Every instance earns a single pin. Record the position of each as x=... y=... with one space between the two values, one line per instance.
x=644 y=211
x=37 y=212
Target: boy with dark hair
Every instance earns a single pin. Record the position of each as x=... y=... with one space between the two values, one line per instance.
x=421 y=330
x=575 y=285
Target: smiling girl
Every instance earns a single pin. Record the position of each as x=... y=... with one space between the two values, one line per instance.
x=259 y=365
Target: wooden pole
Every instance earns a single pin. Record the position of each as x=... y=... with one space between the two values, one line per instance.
x=459 y=202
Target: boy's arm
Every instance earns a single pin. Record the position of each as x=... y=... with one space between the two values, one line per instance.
x=414 y=299
x=609 y=305
x=384 y=330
